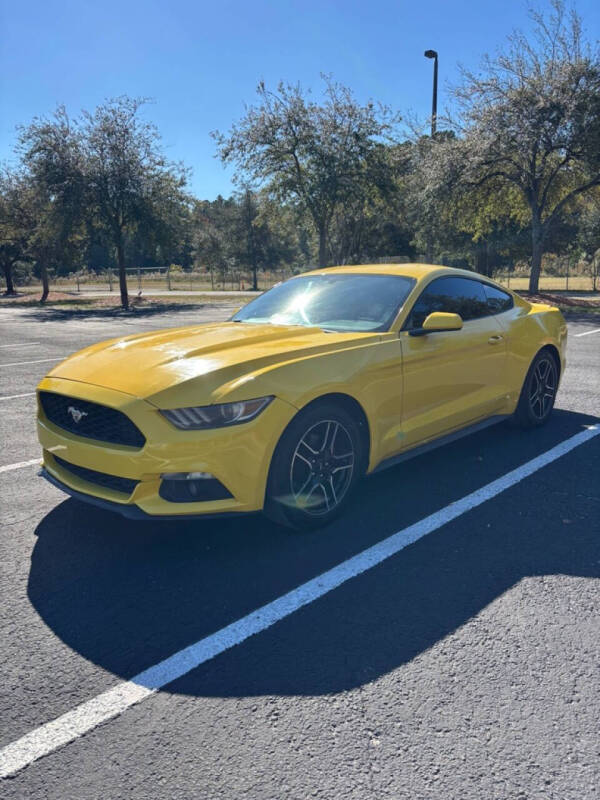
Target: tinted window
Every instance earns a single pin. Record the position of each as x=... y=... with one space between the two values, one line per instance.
x=454 y=295
x=338 y=302
x=497 y=300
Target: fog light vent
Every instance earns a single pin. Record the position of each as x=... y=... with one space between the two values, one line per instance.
x=187 y=476
x=192 y=487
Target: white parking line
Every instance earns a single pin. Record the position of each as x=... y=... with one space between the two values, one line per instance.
x=111 y=703
x=14 y=396
x=587 y=333
x=19 y=464
x=38 y=361
x=29 y=344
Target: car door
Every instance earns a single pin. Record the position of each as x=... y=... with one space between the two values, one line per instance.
x=451 y=378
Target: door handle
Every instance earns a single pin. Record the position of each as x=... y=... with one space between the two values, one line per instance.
x=495 y=339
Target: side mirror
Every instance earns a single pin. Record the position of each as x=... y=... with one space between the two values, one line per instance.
x=439 y=321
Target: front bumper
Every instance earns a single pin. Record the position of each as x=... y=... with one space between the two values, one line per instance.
x=125 y=509
x=239 y=456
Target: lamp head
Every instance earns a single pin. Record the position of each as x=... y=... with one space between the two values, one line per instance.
x=430 y=54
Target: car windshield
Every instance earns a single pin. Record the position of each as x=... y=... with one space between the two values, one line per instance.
x=344 y=302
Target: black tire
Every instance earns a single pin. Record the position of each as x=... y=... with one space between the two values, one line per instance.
x=316 y=464
x=538 y=394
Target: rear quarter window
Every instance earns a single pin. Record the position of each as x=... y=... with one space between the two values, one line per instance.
x=497 y=300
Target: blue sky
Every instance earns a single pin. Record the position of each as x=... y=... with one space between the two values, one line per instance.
x=201 y=61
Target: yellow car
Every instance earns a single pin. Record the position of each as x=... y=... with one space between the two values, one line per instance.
x=326 y=377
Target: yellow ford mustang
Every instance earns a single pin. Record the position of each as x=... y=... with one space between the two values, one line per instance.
x=327 y=376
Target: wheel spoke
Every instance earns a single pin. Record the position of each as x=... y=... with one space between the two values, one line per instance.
x=345 y=461
x=305 y=452
x=306 y=497
x=329 y=493
x=333 y=490
x=306 y=460
x=300 y=491
x=329 y=438
x=333 y=435
x=538 y=403
x=547 y=371
x=542 y=371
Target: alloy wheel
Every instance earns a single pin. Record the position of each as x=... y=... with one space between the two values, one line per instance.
x=542 y=388
x=322 y=467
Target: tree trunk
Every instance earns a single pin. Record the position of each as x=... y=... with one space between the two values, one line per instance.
x=429 y=248
x=10 y=287
x=254 y=278
x=122 y=275
x=481 y=265
x=45 y=283
x=537 y=250
x=322 y=247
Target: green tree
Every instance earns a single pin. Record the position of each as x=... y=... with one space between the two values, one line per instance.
x=51 y=155
x=319 y=156
x=531 y=120
x=290 y=241
x=213 y=224
x=130 y=184
x=14 y=222
x=253 y=236
x=588 y=233
x=373 y=223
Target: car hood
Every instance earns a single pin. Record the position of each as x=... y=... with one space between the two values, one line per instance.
x=212 y=360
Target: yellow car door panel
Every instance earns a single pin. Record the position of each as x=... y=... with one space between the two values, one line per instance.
x=451 y=378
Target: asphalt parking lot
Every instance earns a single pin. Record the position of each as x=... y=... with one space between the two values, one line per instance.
x=463 y=666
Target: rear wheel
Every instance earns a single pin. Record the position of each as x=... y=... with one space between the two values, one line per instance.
x=316 y=464
x=539 y=391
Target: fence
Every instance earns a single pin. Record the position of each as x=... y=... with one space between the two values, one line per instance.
x=157 y=280
x=562 y=273
x=166 y=279
x=551 y=283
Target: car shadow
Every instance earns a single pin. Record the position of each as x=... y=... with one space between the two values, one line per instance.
x=39 y=313
x=127 y=594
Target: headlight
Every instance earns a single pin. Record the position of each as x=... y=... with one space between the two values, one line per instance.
x=218 y=416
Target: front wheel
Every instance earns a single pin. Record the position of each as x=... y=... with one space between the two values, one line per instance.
x=317 y=462
x=539 y=391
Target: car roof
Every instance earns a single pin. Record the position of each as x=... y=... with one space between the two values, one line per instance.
x=417 y=271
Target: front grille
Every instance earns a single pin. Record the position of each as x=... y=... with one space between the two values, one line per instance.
x=124 y=485
x=93 y=420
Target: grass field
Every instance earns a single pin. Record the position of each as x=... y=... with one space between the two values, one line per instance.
x=180 y=281
x=73 y=304
x=199 y=282
x=550 y=283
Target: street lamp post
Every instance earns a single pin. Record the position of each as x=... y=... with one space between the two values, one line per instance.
x=433 y=54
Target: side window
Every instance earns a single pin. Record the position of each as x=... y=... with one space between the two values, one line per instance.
x=454 y=295
x=497 y=300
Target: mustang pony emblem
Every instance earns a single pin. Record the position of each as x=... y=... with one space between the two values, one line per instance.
x=76 y=414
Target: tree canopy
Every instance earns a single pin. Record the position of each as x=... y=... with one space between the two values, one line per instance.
x=512 y=174
x=528 y=126
x=100 y=177
x=324 y=157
